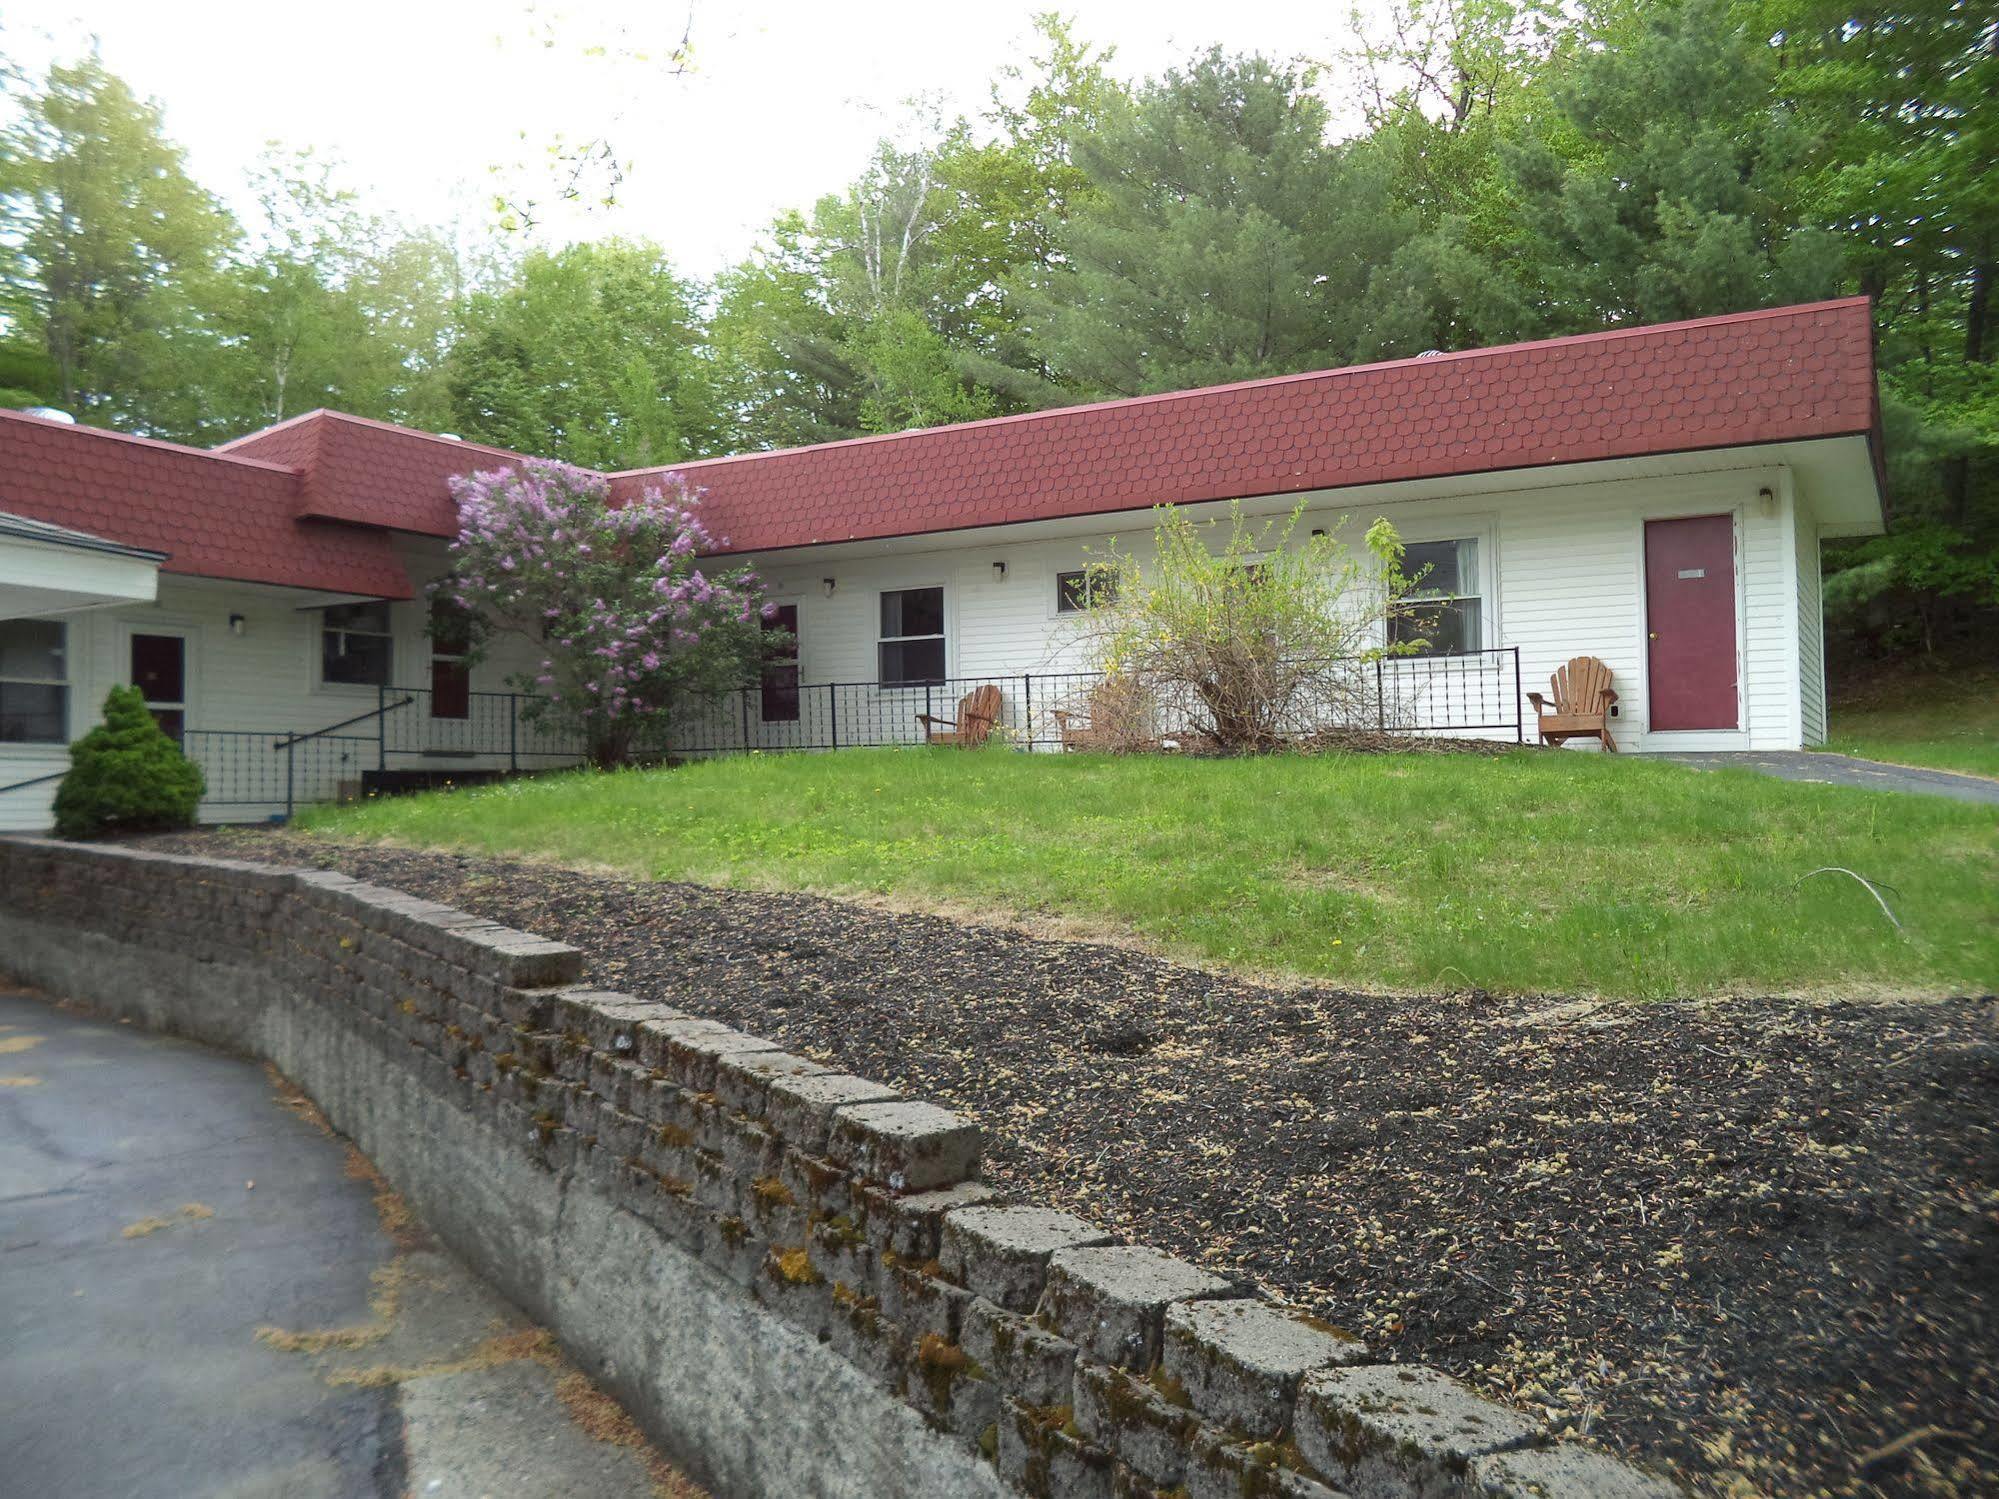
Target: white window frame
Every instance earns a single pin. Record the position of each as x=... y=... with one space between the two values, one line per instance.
x=66 y=682
x=944 y=616
x=320 y=630
x=1055 y=577
x=1479 y=531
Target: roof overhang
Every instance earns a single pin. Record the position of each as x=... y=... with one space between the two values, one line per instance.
x=48 y=569
x=1835 y=476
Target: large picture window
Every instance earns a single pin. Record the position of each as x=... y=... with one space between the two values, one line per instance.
x=912 y=636
x=355 y=645
x=34 y=681
x=1448 y=599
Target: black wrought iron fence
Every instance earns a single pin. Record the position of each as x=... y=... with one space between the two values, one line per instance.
x=272 y=773
x=1475 y=693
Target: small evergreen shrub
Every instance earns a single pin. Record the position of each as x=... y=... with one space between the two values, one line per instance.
x=126 y=775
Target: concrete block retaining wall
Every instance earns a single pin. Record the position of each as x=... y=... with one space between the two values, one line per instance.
x=791 y=1276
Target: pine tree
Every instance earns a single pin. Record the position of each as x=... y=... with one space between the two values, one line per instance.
x=126 y=775
x=1223 y=237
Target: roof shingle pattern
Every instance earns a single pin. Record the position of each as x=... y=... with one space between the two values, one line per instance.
x=309 y=502
x=214 y=515
x=1790 y=373
x=372 y=473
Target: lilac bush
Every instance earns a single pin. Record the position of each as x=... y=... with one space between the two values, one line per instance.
x=629 y=623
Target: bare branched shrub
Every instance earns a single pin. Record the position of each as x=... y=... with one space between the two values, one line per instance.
x=1242 y=635
x=1124 y=714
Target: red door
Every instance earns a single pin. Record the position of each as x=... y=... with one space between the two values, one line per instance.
x=1690 y=622
x=780 y=674
x=159 y=671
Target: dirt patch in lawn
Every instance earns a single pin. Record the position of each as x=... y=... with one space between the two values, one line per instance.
x=1757 y=1241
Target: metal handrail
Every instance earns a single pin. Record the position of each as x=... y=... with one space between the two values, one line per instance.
x=36 y=781
x=289 y=741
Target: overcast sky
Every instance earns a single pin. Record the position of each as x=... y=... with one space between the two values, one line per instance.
x=423 y=100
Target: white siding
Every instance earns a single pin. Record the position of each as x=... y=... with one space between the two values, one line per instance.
x=261 y=684
x=28 y=810
x=1563 y=576
x=1811 y=631
x=1573 y=575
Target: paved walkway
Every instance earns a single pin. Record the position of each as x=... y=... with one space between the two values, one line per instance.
x=160 y=1203
x=1845 y=770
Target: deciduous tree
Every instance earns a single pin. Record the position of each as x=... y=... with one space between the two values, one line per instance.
x=112 y=252
x=594 y=354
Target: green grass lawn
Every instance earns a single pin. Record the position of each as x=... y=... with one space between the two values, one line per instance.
x=1946 y=722
x=1562 y=873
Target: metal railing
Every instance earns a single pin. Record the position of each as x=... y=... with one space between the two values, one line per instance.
x=1474 y=693
x=271 y=773
x=54 y=775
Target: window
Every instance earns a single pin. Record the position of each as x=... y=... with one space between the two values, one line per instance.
x=354 y=645
x=450 y=677
x=779 y=688
x=1448 y=607
x=1086 y=588
x=912 y=637
x=34 y=681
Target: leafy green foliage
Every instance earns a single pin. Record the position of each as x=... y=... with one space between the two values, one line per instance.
x=1520 y=168
x=126 y=775
x=592 y=355
x=1661 y=184
x=112 y=251
x=329 y=306
x=1223 y=240
x=1263 y=635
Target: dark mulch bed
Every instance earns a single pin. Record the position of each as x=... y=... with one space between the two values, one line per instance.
x=1759 y=1241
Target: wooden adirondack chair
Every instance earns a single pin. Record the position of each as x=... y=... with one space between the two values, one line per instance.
x=1114 y=715
x=978 y=711
x=1078 y=731
x=1581 y=709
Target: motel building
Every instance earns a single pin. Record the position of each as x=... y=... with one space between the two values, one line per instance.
x=1654 y=497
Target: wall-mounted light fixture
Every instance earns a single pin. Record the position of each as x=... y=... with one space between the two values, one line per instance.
x=1766 y=503
x=826 y=586
x=999 y=572
x=237 y=624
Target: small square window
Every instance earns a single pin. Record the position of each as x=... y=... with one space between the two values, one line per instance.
x=1451 y=627
x=1442 y=569
x=356 y=649
x=1085 y=588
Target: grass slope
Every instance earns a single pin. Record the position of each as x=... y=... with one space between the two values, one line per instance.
x=1561 y=873
x=1945 y=722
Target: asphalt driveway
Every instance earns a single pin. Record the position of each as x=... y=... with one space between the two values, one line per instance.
x=1846 y=770
x=160 y=1204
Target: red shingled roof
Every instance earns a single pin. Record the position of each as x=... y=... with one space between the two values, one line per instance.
x=1747 y=378
x=214 y=515
x=372 y=473
x=309 y=501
